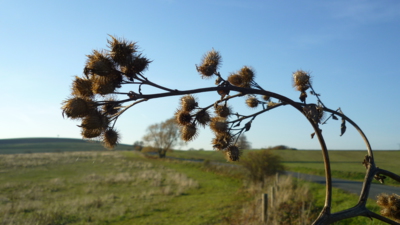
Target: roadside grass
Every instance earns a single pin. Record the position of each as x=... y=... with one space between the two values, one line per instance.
x=343 y=200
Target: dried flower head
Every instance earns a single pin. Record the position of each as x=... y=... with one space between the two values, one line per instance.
x=183 y=117
x=99 y=63
x=222 y=140
x=111 y=107
x=252 y=102
x=82 y=87
x=218 y=124
x=271 y=104
x=232 y=153
x=236 y=80
x=110 y=138
x=210 y=63
x=95 y=120
x=247 y=75
x=301 y=80
x=203 y=117
x=390 y=206
x=91 y=133
x=78 y=107
x=106 y=85
x=266 y=97
x=223 y=111
x=188 y=103
x=188 y=132
x=137 y=65
x=121 y=51
x=223 y=93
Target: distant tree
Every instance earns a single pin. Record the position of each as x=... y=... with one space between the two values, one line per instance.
x=138 y=145
x=163 y=136
x=243 y=143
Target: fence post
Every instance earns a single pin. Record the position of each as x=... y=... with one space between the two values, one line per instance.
x=264 y=208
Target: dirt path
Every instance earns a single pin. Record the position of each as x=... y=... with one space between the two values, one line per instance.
x=347 y=185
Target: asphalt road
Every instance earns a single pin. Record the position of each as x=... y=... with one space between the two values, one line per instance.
x=347 y=185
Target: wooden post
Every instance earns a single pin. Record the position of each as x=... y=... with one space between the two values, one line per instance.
x=271 y=196
x=264 y=208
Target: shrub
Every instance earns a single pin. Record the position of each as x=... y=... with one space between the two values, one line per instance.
x=261 y=164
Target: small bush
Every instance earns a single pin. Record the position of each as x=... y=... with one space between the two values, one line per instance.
x=261 y=164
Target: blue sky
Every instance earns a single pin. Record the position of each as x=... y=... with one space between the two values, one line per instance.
x=351 y=48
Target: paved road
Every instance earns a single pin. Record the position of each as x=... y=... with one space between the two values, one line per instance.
x=350 y=186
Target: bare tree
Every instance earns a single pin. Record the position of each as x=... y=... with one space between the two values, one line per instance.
x=243 y=143
x=163 y=136
x=93 y=102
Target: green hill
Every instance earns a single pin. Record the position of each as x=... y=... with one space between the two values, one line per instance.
x=35 y=145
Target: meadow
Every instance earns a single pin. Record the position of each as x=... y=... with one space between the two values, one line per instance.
x=128 y=187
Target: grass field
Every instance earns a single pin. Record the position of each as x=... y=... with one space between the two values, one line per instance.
x=111 y=188
x=124 y=187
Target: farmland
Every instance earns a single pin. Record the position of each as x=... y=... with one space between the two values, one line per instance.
x=126 y=187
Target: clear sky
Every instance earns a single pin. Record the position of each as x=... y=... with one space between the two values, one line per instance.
x=351 y=48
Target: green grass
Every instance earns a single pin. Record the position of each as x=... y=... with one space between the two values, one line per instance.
x=112 y=188
x=118 y=187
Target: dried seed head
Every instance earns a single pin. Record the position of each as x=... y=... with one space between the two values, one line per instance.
x=221 y=140
x=188 y=132
x=210 y=63
x=382 y=200
x=121 y=51
x=390 y=205
x=203 y=117
x=236 y=80
x=218 y=124
x=137 y=65
x=106 y=85
x=91 y=133
x=252 y=102
x=111 y=107
x=266 y=97
x=82 y=87
x=393 y=200
x=188 y=103
x=183 y=117
x=321 y=113
x=78 y=107
x=110 y=138
x=232 y=153
x=386 y=212
x=95 y=120
x=140 y=64
x=223 y=111
x=247 y=75
x=223 y=93
x=271 y=104
x=301 y=80
x=98 y=63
